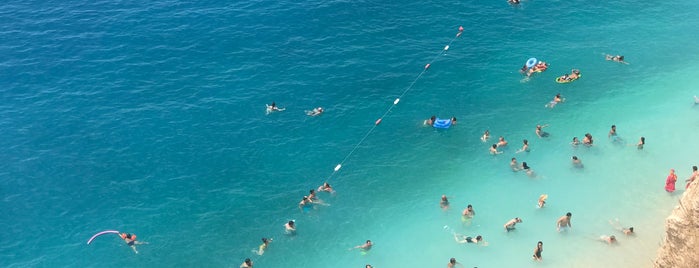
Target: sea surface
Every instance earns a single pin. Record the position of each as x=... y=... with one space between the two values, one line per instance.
x=148 y=117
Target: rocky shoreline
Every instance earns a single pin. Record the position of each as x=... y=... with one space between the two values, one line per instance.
x=681 y=243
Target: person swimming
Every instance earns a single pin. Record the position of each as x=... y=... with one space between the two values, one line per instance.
x=366 y=246
x=528 y=169
x=430 y=120
x=501 y=142
x=326 y=188
x=305 y=203
x=641 y=143
x=510 y=225
x=290 y=227
x=265 y=243
x=577 y=163
x=513 y=165
x=444 y=203
x=273 y=108
x=486 y=136
x=618 y=227
x=452 y=263
x=556 y=99
x=247 y=263
x=130 y=240
x=587 y=140
x=525 y=146
x=609 y=239
x=617 y=58
x=463 y=239
x=575 y=142
x=494 y=149
x=542 y=200
x=540 y=132
x=316 y=111
x=468 y=213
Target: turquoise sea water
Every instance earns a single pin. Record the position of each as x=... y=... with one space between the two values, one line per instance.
x=149 y=118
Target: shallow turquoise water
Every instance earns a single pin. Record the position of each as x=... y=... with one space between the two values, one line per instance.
x=149 y=118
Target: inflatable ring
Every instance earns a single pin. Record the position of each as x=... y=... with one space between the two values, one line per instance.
x=441 y=123
x=531 y=62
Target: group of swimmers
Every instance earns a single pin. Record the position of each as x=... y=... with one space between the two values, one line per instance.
x=430 y=121
x=274 y=108
x=307 y=202
x=564 y=222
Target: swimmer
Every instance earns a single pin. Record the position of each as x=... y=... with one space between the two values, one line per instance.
x=612 y=132
x=486 y=136
x=575 y=142
x=494 y=149
x=265 y=243
x=461 y=30
x=510 y=225
x=368 y=266
x=564 y=222
x=452 y=263
x=525 y=146
x=312 y=195
x=574 y=74
x=305 y=202
x=609 y=239
x=326 y=188
x=444 y=203
x=468 y=213
x=641 y=142
x=528 y=170
x=453 y=120
x=315 y=111
x=463 y=239
x=246 y=264
x=130 y=239
x=577 y=163
x=556 y=100
x=524 y=69
x=514 y=2
x=618 y=227
x=539 y=131
x=273 y=108
x=430 y=121
x=366 y=246
x=513 y=165
x=537 y=251
x=616 y=58
x=502 y=142
x=692 y=178
x=587 y=140
x=290 y=227
x=542 y=200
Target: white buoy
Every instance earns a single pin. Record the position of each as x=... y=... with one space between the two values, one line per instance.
x=396 y=101
x=446 y=48
x=338 y=167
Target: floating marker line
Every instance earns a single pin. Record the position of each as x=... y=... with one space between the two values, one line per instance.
x=395 y=102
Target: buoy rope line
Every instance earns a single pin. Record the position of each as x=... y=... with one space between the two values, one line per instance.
x=395 y=102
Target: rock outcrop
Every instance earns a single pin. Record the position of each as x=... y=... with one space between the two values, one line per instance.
x=681 y=245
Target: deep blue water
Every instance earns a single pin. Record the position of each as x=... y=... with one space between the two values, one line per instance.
x=148 y=117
